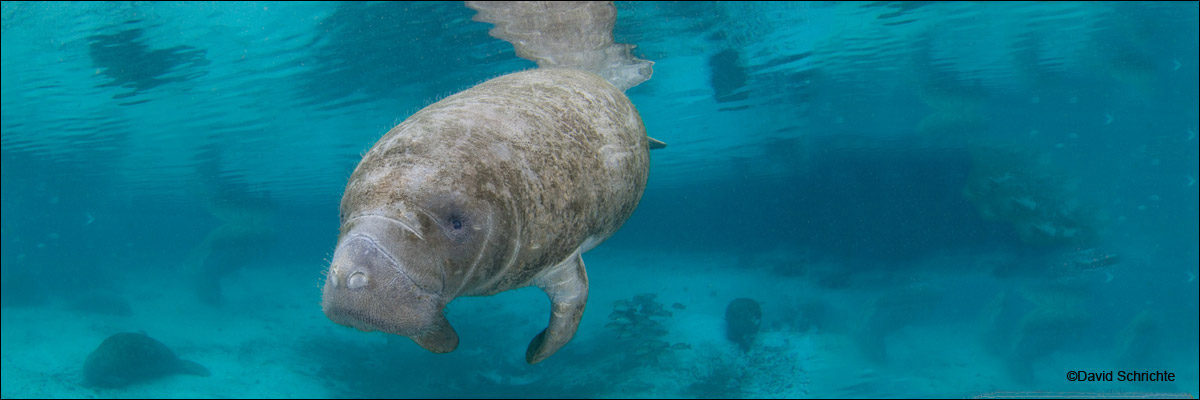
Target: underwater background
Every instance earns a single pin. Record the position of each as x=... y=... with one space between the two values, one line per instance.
x=857 y=200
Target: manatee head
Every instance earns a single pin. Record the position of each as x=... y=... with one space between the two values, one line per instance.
x=401 y=257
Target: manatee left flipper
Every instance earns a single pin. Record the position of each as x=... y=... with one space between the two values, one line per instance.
x=567 y=286
x=439 y=338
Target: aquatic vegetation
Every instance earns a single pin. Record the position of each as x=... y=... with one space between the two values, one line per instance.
x=723 y=381
x=639 y=323
x=640 y=317
x=776 y=366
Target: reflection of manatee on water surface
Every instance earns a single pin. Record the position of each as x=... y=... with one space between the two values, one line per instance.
x=129 y=62
x=501 y=186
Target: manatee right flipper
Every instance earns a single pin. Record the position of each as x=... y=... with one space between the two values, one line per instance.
x=567 y=286
x=656 y=144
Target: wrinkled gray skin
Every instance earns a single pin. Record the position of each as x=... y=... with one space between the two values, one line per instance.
x=498 y=187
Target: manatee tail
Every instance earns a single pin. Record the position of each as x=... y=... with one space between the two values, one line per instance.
x=568 y=34
x=193 y=368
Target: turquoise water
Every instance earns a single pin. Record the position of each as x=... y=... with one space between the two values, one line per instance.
x=948 y=199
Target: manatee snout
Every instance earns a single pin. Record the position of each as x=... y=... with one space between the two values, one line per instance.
x=369 y=288
x=354 y=272
x=366 y=289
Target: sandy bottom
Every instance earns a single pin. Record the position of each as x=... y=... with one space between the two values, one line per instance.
x=270 y=339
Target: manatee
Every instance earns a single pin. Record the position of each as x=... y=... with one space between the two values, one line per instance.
x=247 y=225
x=501 y=186
x=127 y=358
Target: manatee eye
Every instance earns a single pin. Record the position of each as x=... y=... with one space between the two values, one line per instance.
x=456 y=227
x=452 y=218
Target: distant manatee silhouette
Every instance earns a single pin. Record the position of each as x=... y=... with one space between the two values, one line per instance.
x=127 y=358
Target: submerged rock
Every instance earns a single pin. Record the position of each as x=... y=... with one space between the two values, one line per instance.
x=742 y=319
x=127 y=358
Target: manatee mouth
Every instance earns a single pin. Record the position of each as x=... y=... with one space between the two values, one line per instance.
x=358 y=320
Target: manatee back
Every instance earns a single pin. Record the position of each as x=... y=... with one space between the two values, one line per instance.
x=583 y=153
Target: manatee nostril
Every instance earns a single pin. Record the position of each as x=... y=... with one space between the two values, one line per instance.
x=357 y=280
